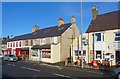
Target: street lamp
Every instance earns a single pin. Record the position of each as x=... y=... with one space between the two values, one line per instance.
x=81 y=34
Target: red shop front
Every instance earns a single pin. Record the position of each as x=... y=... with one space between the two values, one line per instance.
x=9 y=50
x=18 y=52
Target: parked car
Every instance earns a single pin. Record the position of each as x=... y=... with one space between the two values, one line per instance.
x=117 y=70
x=10 y=57
x=1 y=56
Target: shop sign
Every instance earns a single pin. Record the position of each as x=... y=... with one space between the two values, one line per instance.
x=46 y=49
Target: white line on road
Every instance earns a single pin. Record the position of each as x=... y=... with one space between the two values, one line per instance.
x=8 y=64
x=23 y=67
x=34 y=69
x=60 y=75
x=30 y=69
x=11 y=64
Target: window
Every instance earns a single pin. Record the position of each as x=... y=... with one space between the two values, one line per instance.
x=98 y=55
x=20 y=44
x=16 y=44
x=97 y=36
x=46 y=54
x=42 y=41
x=35 y=52
x=117 y=36
x=11 y=44
x=31 y=42
x=26 y=43
x=8 y=44
x=54 y=40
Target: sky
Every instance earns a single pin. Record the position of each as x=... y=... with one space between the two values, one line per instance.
x=19 y=17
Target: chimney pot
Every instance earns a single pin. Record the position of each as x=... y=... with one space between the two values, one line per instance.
x=60 y=22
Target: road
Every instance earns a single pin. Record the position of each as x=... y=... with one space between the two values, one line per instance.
x=25 y=69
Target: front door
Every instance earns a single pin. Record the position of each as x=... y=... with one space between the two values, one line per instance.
x=117 y=56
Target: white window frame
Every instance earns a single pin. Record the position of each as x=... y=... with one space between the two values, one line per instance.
x=42 y=41
x=116 y=36
x=95 y=40
x=54 y=40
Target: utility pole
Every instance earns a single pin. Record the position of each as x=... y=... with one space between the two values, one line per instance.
x=81 y=33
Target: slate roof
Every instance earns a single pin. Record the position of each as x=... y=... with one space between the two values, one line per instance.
x=4 y=41
x=42 y=33
x=108 y=21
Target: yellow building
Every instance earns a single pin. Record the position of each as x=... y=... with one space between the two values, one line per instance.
x=102 y=38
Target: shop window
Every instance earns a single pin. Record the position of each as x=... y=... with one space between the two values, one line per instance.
x=76 y=53
x=117 y=36
x=35 y=52
x=98 y=55
x=46 y=54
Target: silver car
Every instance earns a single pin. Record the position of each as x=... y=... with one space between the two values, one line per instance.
x=10 y=57
x=117 y=70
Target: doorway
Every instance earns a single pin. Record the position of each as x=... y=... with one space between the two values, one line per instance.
x=117 y=56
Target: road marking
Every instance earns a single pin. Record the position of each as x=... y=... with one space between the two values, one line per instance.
x=60 y=75
x=30 y=69
x=23 y=67
x=33 y=69
x=8 y=64
x=11 y=64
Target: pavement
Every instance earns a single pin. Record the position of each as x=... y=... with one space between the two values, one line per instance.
x=61 y=65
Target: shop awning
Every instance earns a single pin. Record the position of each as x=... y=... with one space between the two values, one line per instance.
x=25 y=49
x=36 y=47
x=46 y=46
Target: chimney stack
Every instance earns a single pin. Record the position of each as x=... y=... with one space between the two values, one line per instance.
x=60 y=22
x=73 y=19
x=35 y=28
x=94 y=12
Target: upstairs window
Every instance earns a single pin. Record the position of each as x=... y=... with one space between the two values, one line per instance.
x=8 y=44
x=42 y=41
x=31 y=42
x=20 y=44
x=16 y=44
x=117 y=36
x=11 y=44
x=97 y=36
x=26 y=43
x=54 y=40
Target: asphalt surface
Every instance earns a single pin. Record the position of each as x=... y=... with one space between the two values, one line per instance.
x=25 y=69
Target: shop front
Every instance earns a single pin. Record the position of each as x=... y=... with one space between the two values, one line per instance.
x=9 y=51
x=24 y=52
x=41 y=53
x=18 y=52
